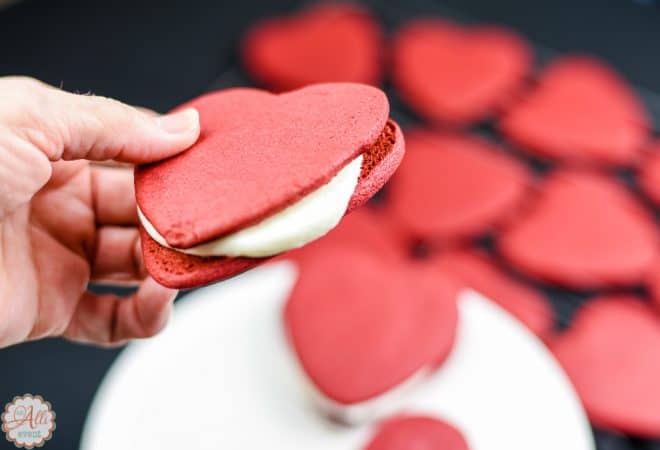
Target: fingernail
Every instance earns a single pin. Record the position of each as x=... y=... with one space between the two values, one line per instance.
x=179 y=122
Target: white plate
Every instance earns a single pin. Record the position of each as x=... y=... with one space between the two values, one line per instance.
x=221 y=377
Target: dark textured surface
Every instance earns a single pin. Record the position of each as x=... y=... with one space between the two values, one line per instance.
x=160 y=53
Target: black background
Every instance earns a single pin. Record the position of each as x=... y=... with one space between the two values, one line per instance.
x=161 y=53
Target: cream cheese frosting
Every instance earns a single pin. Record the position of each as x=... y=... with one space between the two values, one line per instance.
x=298 y=224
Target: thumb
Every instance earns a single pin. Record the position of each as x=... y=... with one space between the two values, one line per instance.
x=74 y=126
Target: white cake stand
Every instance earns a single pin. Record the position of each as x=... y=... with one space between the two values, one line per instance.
x=221 y=376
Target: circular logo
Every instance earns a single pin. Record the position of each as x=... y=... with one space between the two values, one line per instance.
x=28 y=421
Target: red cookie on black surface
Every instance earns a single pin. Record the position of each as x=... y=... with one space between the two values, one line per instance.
x=363 y=326
x=581 y=112
x=321 y=44
x=584 y=231
x=454 y=74
x=649 y=176
x=259 y=154
x=417 y=433
x=480 y=273
x=611 y=352
x=453 y=187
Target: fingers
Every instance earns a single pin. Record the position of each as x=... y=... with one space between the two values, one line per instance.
x=113 y=320
x=113 y=196
x=118 y=256
x=72 y=126
x=100 y=128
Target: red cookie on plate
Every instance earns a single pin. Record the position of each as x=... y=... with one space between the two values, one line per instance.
x=454 y=187
x=581 y=112
x=269 y=173
x=417 y=433
x=453 y=74
x=649 y=176
x=364 y=326
x=584 y=231
x=478 y=272
x=611 y=352
x=321 y=44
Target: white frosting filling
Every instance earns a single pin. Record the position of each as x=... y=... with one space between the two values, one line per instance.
x=304 y=221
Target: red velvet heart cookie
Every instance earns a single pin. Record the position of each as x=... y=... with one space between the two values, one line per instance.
x=454 y=187
x=581 y=112
x=584 y=231
x=362 y=325
x=611 y=352
x=453 y=74
x=324 y=43
x=478 y=272
x=417 y=433
x=649 y=177
x=258 y=154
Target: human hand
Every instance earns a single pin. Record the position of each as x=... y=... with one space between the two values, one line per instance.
x=64 y=222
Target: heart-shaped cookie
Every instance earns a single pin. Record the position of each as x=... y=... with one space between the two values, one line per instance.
x=417 y=433
x=583 y=231
x=453 y=74
x=321 y=44
x=258 y=155
x=480 y=273
x=453 y=187
x=581 y=112
x=363 y=326
x=611 y=352
x=649 y=176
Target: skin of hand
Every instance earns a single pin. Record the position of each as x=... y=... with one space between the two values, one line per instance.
x=66 y=222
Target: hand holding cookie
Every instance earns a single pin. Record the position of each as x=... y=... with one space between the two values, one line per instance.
x=65 y=223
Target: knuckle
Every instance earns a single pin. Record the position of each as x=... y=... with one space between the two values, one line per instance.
x=106 y=126
x=87 y=139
